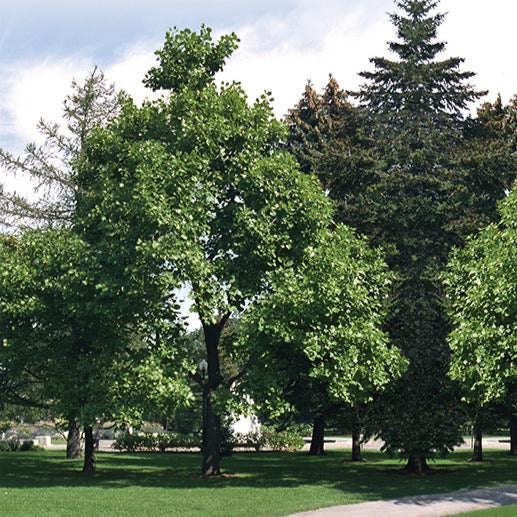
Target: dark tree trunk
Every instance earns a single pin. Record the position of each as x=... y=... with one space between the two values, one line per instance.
x=417 y=464
x=513 y=435
x=211 y=420
x=73 y=440
x=356 y=441
x=89 y=451
x=318 y=437
x=477 y=451
x=211 y=441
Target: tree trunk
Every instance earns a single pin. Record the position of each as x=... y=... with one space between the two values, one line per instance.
x=513 y=435
x=73 y=440
x=318 y=437
x=417 y=464
x=477 y=451
x=89 y=451
x=211 y=421
x=211 y=442
x=356 y=441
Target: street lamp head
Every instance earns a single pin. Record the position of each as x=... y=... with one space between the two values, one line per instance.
x=203 y=367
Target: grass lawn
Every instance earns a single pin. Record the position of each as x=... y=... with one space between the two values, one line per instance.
x=506 y=511
x=42 y=484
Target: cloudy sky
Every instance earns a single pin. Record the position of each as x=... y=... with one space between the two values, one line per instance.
x=44 y=43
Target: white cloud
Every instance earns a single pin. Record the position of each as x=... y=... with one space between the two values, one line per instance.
x=279 y=55
x=313 y=41
x=484 y=33
x=36 y=90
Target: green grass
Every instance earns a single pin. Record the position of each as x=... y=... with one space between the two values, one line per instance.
x=42 y=484
x=506 y=511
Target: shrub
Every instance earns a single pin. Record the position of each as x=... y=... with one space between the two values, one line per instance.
x=26 y=445
x=128 y=442
x=288 y=440
x=254 y=439
x=13 y=445
x=154 y=442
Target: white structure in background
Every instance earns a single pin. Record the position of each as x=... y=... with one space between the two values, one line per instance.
x=245 y=425
x=242 y=424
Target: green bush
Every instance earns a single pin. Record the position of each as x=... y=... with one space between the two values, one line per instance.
x=27 y=445
x=151 y=442
x=13 y=445
x=254 y=439
x=287 y=441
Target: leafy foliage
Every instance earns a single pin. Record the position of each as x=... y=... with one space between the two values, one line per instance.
x=481 y=285
x=195 y=189
x=316 y=337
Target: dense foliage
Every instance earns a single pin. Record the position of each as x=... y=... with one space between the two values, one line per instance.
x=312 y=250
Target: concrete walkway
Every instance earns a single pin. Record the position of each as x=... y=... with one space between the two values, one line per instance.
x=424 y=506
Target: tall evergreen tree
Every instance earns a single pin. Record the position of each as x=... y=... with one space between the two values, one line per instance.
x=416 y=105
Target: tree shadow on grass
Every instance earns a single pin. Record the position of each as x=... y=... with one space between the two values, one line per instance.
x=375 y=479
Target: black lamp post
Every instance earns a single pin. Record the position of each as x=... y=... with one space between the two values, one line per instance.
x=203 y=370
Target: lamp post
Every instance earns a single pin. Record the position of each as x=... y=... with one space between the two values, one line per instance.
x=203 y=370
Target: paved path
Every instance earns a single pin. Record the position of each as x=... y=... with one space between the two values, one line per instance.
x=424 y=506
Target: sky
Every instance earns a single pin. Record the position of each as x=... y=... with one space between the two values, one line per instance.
x=284 y=43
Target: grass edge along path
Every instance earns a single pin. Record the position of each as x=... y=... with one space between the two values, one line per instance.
x=503 y=511
x=42 y=484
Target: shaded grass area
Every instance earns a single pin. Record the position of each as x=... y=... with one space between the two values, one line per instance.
x=507 y=511
x=42 y=484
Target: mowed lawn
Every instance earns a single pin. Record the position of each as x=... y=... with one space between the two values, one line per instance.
x=505 y=511
x=42 y=484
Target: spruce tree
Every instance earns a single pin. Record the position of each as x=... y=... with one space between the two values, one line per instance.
x=416 y=107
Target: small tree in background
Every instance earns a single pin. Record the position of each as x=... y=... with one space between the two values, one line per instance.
x=481 y=286
x=315 y=341
x=50 y=167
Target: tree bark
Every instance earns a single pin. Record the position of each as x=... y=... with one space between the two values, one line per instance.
x=356 y=441
x=417 y=464
x=89 y=451
x=211 y=421
x=73 y=440
x=477 y=451
x=513 y=435
x=318 y=437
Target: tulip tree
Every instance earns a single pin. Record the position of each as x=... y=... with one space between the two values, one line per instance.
x=317 y=339
x=63 y=322
x=482 y=291
x=196 y=187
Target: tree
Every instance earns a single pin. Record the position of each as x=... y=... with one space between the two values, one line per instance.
x=315 y=340
x=416 y=106
x=328 y=137
x=396 y=180
x=480 y=281
x=487 y=164
x=50 y=166
x=196 y=188
x=61 y=317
